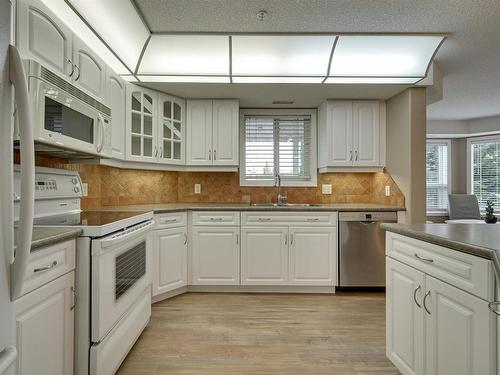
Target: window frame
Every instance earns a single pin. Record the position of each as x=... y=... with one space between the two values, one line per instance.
x=449 y=172
x=313 y=182
x=470 y=143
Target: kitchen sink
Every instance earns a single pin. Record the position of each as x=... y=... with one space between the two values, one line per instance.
x=285 y=205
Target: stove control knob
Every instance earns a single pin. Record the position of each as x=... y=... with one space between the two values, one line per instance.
x=74 y=181
x=76 y=189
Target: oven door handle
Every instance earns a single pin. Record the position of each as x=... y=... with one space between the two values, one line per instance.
x=127 y=234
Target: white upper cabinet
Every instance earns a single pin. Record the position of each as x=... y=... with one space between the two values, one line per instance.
x=141 y=124
x=199 y=145
x=351 y=134
x=115 y=99
x=366 y=133
x=212 y=132
x=171 y=129
x=42 y=37
x=225 y=132
x=89 y=73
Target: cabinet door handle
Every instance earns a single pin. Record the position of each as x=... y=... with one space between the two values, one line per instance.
x=75 y=298
x=415 y=296
x=350 y=155
x=356 y=153
x=313 y=219
x=492 y=306
x=286 y=239
x=72 y=67
x=291 y=239
x=264 y=219
x=216 y=219
x=169 y=221
x=46 y=268
x=209 y=154
x=237 y=239
x=425 y=302
x=215 y=154
x=78 y=76
x=156 y=151
x=428 y=260
x=161 y=152
x=185 y=238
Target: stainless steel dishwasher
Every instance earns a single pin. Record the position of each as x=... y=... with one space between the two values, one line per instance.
x=362 y=248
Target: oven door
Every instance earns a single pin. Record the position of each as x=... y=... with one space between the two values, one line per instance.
x=64 y=121
x=121 y=271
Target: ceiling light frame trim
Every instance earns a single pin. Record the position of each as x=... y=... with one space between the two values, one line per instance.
x=139 y=61
x=301 y=33
x=331 y=58
x=68 y=3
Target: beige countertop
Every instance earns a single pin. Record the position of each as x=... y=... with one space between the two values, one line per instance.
x=42 y=237
x=173 y=207
x=476 y=239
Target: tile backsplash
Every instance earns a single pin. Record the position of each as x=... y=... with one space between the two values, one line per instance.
x=109 y=186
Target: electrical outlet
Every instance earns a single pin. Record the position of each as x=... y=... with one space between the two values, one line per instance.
x=326 y=188
x=197 y=188
x=387 y=191
x=85 y=189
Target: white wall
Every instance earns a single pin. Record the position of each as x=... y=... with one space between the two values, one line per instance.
x=406 y=138
x=463 y=128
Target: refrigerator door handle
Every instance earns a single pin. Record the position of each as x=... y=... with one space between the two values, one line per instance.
x=27 y=151
x=7 y=357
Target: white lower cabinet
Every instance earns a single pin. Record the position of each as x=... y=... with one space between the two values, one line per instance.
x=44 y=329
x=405 y=318
x=170 y=259
x=312 y=256
x=264 y=256
x=215 y=255
x=434 y=328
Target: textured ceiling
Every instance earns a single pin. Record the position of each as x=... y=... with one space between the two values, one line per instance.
x=469 y=58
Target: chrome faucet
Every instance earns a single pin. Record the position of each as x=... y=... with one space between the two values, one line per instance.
x=280 y=198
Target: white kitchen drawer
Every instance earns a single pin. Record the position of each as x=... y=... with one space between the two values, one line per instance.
x=289 y=218
x=47 y=264
x=216 y=218
x=170 y=220
x=468 y=272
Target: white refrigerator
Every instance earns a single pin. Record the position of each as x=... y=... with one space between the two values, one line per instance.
x=14 y=104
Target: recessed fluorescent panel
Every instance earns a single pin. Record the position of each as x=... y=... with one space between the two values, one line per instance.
x=373 y=80
x=193 y=55
x=82 y=31
x=118 y=24
x=245 y=79
x=281 y=55
x=185 y=79
x=383 y=55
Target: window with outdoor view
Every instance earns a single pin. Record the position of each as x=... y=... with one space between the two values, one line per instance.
x=437 y=176
x=485 y=173
x=278 y=144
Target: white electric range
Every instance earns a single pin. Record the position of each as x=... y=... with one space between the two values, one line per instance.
x=113 y=269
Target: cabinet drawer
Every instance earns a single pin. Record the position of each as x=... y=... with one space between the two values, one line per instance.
x=170 y=220
x=49 y=263
x=467 y=272
x=290 y=218
x=216 y=218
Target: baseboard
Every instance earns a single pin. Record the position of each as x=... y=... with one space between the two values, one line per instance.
x=170 y=294
x=260 y=289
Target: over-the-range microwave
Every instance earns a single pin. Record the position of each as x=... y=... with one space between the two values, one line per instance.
x=66 y=117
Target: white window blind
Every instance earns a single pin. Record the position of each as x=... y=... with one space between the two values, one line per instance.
x=437 y=176
x=277 y=144
x=486 y=172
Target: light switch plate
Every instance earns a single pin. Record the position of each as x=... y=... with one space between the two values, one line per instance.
x=197 y=188
x=326 y=188
x=387 y=191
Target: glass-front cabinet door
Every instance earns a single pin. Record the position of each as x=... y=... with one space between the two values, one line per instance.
x=141 y=140
x=171 y=130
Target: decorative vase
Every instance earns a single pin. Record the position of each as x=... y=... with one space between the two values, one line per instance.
x=490 y=220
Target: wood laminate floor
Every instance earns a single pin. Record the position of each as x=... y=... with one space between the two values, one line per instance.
x=260 y=334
